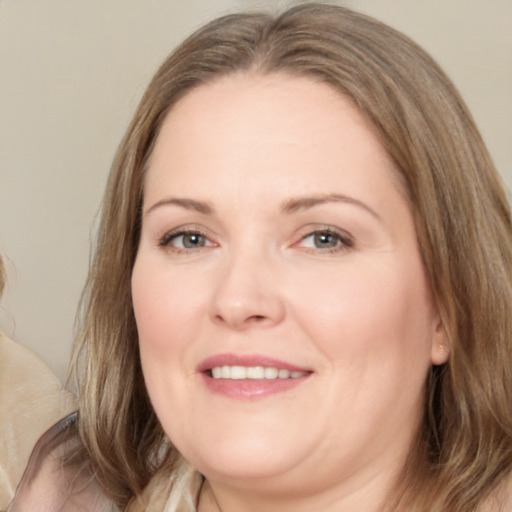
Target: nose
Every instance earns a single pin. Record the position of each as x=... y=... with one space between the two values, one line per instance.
x=248 y=295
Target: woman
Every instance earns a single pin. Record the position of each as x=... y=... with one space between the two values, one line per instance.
x=300 y=296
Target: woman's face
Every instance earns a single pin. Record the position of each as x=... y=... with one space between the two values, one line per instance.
x=285 y=323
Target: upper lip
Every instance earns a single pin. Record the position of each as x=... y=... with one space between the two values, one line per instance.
x=247 y=360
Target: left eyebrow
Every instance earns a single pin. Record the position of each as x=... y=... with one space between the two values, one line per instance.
x=294 y=205
x=188 y=204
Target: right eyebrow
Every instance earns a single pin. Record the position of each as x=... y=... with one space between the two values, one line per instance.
x=303 y=203
x=188 y=204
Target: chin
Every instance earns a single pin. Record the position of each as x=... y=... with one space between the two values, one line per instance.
x=243 y=458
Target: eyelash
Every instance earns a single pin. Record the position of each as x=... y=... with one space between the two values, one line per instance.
x=166 y=240
x=343 y=240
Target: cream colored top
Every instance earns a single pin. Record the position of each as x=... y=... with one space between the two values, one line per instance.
x=31 y=401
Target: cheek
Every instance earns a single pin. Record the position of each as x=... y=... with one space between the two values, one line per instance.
x=166 y=307
x=373 y=329
x=373 y=312
x=166 y=323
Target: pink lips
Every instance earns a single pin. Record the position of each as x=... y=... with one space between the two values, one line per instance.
x=248 y=388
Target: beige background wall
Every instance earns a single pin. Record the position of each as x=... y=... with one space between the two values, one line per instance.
x=71 y=73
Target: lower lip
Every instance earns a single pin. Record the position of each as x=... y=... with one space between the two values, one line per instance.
x=249 y=389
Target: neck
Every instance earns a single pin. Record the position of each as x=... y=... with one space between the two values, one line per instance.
x=217 y=497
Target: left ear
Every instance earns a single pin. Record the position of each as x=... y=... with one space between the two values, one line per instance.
x=440 y=352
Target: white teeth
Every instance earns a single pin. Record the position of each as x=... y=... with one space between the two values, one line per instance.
x=238 y=372
x=284 y=374
x=271 y=373
x=253 y=372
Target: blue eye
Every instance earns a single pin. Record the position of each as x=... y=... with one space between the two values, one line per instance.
x=326 y=239
x=190 y=240
x=184 y=240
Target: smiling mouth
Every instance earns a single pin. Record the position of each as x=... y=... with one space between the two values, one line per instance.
x=253 y=373
x=250 y=376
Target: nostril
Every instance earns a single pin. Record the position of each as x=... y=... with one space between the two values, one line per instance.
x=257 y=311
x=241 y=321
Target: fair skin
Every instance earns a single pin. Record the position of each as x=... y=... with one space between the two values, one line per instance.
x=276 y=236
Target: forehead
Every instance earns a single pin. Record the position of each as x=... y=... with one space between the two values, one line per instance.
x=263 y=126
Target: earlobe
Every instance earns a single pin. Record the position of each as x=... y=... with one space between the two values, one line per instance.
x=440 y=346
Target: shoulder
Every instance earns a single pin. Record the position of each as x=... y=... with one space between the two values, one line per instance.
x=51 y=485
x=31 y=400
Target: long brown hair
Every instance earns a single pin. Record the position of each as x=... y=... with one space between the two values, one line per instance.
x=463 y=224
